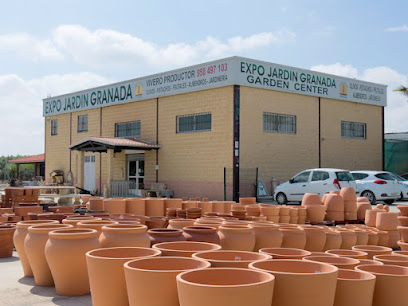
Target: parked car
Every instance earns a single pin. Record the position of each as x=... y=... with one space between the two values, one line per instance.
x=319 y=180
x=377 y=185
x=403 y=183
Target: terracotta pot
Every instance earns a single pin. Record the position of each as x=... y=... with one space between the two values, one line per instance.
x=266 y=236
x=350 y=215
x=348 y=238
x=236 y=237
x=106 y=274
x=74 y=220
x=403 y=220
x=230 y=259
x=307 y=279
x=348 y=194
x=320 y=254
x=403 y=245
x=156 y=222
x=173 y=203
x=69 y=246
x=339 y=262
x=206 y=207
x=392 y=259
x=362 y=236
x=294 y=238
x=225 y=286
x=371 y=216
x=349 y=253
x=284 y=219
x=393 y=238
x=354 y=288
x=285 y=253
x=372 y=250
x=159 y=235
x=391 y=283
x=201 y=234
x=315 y=238
x=362 y=207
x=96 y=225
x=34 y=244
x=387 y=221
x=369 y=262
x=403 y=253
x=284 y=210
x=311 y=199
x=270 y=210
x=374 y=238
x=184 y=248
x=180 y=223
x=124 y=235
x=18 y=240
x=403 y=209
x=135 y=206
x=114 y=206
x=218 y=207
x=246 y=201
x=95 y=204
x=144 y=276
x=154 y=207
x=403 y=232
x=334 y=215
x=6 y=240
x=334 y=202
x=315 y=213
x=51 y=216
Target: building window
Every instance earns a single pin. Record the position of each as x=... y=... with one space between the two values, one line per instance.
x=127 y=129
x=353 y=130
x=54 y=127
x=194 y=123
x=279 y=123
x=82 y=123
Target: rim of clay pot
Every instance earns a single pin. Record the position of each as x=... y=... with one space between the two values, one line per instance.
x=179 y=220
x=336 y=261
x=235 y=223
x=370 y=262
x=402 y=253
x=284 y=252
x=124 y=228
x=5 y=227
x=186 y=246
x=399 y=242
x=97 y=222
x=128 y=222
x=346 y=253
x=73 y=233
x=241 y=277
x=391 y=259
x=291 y=229
x=372 y=248
x=27 y=224
x=235 y=228
x=322 y=254
x=231 y=256
x=355 y=275
x=123 y=253
x=293 y=266
x=393 y=270
x=165 y=264
x=165 y=231
x=199 y=229
x=268 y=226
x=80 y=218
x=45 y=228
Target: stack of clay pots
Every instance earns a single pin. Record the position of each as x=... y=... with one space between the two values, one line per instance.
x=362 y=206
x=315 y=210
x=271 y=212
x=238 y=211
x=334 y=207
x=284 y=214
x=388 y=222
x=253 y=210
x=350 y=203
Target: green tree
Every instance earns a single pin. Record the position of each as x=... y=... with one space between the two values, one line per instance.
x=403 y=90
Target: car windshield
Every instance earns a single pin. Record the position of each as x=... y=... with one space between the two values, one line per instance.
x=344 y=176
x=398 y=178
x=385 y=176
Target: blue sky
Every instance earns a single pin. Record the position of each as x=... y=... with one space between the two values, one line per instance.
x=54 y=47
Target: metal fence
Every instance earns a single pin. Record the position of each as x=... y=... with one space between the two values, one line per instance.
x=123 y=189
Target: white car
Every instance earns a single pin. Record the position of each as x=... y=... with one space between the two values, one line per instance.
x=377 y=185
x=403 y=183
x=319 y=180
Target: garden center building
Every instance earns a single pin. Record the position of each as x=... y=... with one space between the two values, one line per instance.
x=189 y=128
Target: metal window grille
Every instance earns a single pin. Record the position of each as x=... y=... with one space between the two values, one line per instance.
x=128 y=129
x=353 y=130
x=82 y=123
x=279 y=123
x=194 y=123
x=54 y=127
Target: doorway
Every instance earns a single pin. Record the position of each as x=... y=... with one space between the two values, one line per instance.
x=135 y=173
x=89 y=172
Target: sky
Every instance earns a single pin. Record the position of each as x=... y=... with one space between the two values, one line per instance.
x=48 y=48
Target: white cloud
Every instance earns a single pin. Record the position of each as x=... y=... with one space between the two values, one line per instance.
x=403 y=28
x=397 y=108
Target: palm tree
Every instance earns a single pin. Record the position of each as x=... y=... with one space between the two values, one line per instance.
x=403 y=90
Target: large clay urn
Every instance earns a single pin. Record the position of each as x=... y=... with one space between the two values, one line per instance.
x=315 y=238
x=159 y=235
x=371 y=216
x=6 y=240
x=225 y=286
x=201 y=234
x=294 y=238
x=124 y=235
x=237 y=237
x=65 y=253
x=230 y=259
x=107 y=276
x=18 y=240
x=266 y=235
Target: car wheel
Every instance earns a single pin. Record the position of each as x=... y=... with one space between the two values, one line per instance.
x=281 y=198
x=370 y=196
x=389 y=201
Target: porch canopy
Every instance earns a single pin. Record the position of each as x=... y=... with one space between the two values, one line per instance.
x=102 y=144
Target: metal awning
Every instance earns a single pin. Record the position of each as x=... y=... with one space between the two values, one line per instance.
x=102 y=144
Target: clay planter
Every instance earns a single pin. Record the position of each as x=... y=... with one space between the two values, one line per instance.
x=69 y=246
x=403 y=232
x=315 y=239
x=184 y=248
x=97 y=225
x=397 y=260
x=144 y=277
x=404 y=253
x=362 y=207
x=201 y=234
x=354 y=288
x=190 y=204
x=106 y=274
x=6 y=240
x=403 y=245
x=34 y=245
x=391 y=284
x=206 y=207
x=173 y=203
x=348 y=238
x=114 y=206
x=74 y=220
x=135 y=206
x=334 y=202
x=349 y=253
x=372 y=250
x=246 y=201
x=403 y=220
x=374 y=238
x=18 y=240
x=230 y=259
x=393 y=238
x=315 y=213
x=124 y=235
x=266 y=236
x=362 y=236
x=156 y=222
x=371 y=217
x=403 y=209
x=270 y=210
x=154 y=207
x=334 y=215
x=284 y=210
x=180 y=223
x=225 y=286
x=284 y=219
x=311 y=199
x=95 y=204
x=159 y=235
x=236 y=237
x=348 y=194
x=294 y=238
x=339 y=262
x=285 y=253
x=387 y=221
x=300 y=282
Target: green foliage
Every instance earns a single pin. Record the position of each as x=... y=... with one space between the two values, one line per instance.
x=403 y=90
x=7 y=170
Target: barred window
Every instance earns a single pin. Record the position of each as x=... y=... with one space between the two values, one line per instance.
x=353 y=130
x=54 y=127
x=194 y=123
x=279 y=123
x=128 y=129
x=82 y=123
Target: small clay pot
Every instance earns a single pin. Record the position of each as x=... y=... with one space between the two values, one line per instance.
x=333 y=240
x=403 y=209
x=230 y=259
x=387 y=221
x=184 y=248
x=311 y=199
x=135 y=206
x=315 y=213
x=315 y=238
x=154 y=207
x=348 y=238
x=156 y=222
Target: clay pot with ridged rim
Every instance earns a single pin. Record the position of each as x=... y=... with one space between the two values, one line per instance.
x=225 y=286
x=106 y=274
x=285 y=253
x=237 y=237
x=372 y=250
x=184 y=248
x=339 y=262
x=144 y=277
x=230 y=259
x=124 y=235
